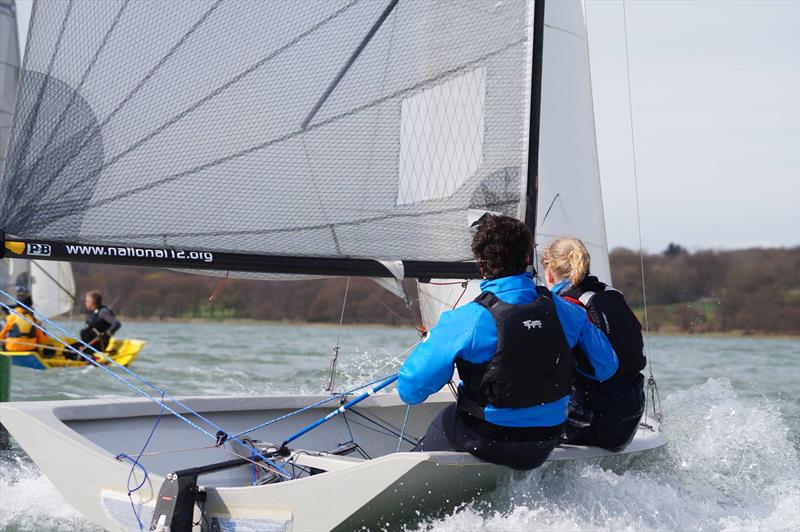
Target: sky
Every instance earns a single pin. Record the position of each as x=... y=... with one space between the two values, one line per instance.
x=715 y=100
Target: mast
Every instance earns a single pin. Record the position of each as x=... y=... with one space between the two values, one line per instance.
x=533 y=133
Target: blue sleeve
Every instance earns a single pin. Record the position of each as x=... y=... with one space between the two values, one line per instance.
x=430 y=364
x=582 y=332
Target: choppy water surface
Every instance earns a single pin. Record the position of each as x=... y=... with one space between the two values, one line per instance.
x=732 y=408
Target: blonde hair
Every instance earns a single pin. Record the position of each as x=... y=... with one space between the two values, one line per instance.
x=568 y=258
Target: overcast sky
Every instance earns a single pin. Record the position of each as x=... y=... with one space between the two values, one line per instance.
x=716 y=108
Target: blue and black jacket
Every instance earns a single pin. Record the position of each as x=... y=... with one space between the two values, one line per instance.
x=469 y=333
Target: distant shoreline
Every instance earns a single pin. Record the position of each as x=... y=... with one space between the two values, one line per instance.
x=251 y=321
x=298 y=323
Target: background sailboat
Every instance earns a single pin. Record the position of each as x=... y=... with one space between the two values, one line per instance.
x=340 y=138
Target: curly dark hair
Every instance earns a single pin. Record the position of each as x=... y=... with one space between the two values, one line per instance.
x=503 y=246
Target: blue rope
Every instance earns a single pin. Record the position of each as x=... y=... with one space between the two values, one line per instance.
x=146 y=477
x=135 y=462
x=403 y=430
x=107 y=370
x=307 y=408
x=113 y=362
x=135 y=375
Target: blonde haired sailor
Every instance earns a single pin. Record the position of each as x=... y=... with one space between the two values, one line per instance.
x=19 y=332
x=605 y=414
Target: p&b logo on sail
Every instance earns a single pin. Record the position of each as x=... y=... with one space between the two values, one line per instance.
x=532 y=324
x=40 y=250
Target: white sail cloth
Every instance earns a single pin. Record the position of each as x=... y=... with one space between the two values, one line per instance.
x=51 y=284
x=569 y=198
x=184 y=126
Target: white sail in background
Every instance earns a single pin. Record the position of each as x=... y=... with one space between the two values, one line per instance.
x=52 y=287
x=569 y=199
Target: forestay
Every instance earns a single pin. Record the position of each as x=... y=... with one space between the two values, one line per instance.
x=329 y=131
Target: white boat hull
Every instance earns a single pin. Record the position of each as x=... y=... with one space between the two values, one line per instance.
x=75 y=444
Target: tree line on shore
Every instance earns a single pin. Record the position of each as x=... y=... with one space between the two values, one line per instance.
x=748 y=291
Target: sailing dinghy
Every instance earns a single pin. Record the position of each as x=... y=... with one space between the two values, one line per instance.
x=349 y=137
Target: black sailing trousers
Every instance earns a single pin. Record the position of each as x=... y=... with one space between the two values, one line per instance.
x=453 y=430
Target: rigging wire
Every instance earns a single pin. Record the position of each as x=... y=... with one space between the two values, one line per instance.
x=335 y=354
x=307 y=408
x=114 y=363
x=219 y=287
x=651 y=379
x=403 y=431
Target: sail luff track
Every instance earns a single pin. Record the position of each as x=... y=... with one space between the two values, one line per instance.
x=536 y=99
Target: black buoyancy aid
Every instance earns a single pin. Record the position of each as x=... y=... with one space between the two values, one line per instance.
x=532 y=364
x=608 y=310
x=94 y=321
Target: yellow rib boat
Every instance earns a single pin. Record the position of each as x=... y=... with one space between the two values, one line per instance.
x=121 y=350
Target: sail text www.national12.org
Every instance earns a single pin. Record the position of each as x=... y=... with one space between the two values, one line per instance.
x=118 y=251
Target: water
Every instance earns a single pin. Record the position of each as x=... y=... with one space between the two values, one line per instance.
x=732 y=408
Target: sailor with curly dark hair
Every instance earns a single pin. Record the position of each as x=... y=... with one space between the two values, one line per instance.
x=512 y=347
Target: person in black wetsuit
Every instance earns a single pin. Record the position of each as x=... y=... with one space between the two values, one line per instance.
x=604 y=414
x=101 y=323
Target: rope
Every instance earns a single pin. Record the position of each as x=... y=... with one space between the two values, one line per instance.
x=135 y=462
x=219 y=287
x=651 y=379
x=403 y=431
x=91 y=360
x=386 y=427
x=306 y=408
x=465 y=284
x=636 y=181
x=183 y=450
x=335 y=355
x=137 y=389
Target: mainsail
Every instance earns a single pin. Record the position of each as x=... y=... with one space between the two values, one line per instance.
x=569 y=200
x=9 y=71
x=13 y=272
x=322 y=138
x=50 y=283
